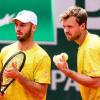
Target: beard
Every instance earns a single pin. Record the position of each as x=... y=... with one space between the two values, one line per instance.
x=25 y=36
x=70 y=37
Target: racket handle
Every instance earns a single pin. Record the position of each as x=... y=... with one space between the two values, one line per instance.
x=5 y=87
x=2 y=93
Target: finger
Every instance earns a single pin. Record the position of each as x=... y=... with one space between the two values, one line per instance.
x=14 y=64
x=8 y=69
x=64 y=56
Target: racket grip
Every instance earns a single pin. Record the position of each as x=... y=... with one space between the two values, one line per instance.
x=2 y=93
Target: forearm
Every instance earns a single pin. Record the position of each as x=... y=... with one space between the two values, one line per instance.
x=32 y=87
x=83 y=79
x=80 y=78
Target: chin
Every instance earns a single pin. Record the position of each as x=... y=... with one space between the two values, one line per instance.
x=20 y=39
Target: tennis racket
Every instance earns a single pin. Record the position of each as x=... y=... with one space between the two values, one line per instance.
x=18 y=59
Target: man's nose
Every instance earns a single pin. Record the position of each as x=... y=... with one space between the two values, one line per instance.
x=66 y=30
x=17 y=28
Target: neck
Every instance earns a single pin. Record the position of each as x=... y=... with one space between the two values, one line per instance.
x=80 y=40
x=25 y=45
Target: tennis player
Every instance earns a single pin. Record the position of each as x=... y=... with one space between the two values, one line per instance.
x=74 y=22
x=32 y=82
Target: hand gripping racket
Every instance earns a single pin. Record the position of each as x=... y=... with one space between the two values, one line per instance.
x=18 y=59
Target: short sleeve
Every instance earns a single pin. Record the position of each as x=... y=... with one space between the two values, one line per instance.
x=92 y=61
x=42 y=73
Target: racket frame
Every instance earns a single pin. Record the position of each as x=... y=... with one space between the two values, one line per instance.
x=1 y=73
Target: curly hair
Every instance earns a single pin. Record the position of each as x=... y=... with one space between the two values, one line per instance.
x=78 y=12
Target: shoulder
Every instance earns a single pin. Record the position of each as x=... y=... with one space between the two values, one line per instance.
x=7 y=48
x=41 y=53
x=41 y=50
x=94 y=43
x=94 y=37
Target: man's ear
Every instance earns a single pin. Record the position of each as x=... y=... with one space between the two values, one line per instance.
x=83 y=26
x=34 y=27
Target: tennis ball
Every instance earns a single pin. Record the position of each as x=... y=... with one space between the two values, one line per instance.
x=65 y=56
x=56 y=58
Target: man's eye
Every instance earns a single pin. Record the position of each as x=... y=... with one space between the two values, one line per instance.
x=23 y=24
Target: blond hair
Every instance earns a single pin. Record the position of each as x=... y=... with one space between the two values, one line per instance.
x=78 y=12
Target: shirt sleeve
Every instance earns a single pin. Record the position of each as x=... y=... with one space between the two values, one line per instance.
x=92 y=61
x=42 y=73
